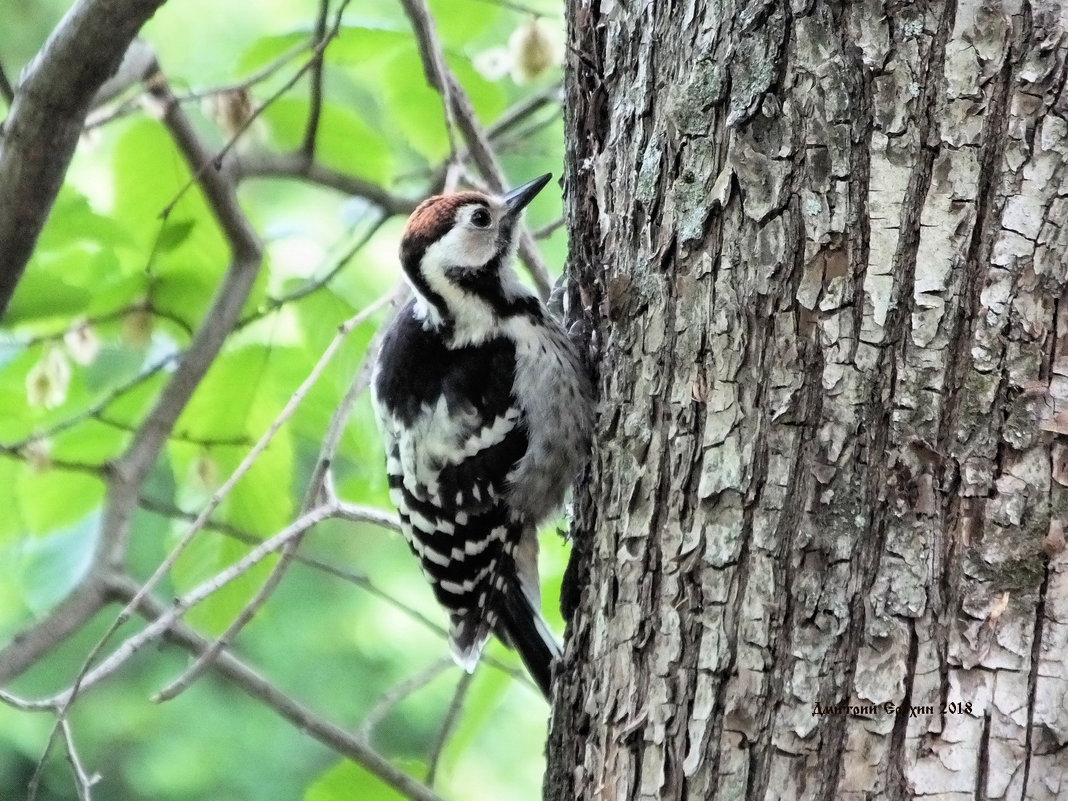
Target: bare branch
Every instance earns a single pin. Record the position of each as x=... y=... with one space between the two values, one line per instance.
x=251 y=457
x=448 y=724
x=393 y=696
x=83 y=782
x=21 y=704
x=244 y=677
x=47 y=116
x=295 y=165
x=64 y=619
x=131 y=469
x=276 y=574
x=365 y=514
x=311 y=132
x=340 y=418
x=344 y=511
x=312 y=286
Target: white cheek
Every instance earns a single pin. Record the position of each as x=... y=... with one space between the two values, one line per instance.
x=465 y=247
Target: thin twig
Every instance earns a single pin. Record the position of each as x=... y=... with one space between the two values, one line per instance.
x=98 y=407
x=437 y=71
x=345 y=511
x=394 y=695
x=137 y=461
x=295 y=165
x=97 y=119
x=181 y=436
x=549 y=229
x=35 y=780
x=301 y=292
x=447 y=725
x=525 y=108
x=520 y=138
x=106 y=317
x=83 y=782
x=100 y=470
x=340 y=418
x=217 y=160
x=509 y=118
x=315 y=99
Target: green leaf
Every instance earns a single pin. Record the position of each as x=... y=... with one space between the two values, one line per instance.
x=43 y=293
x=174 y=234
x=237 y=401
x=151 y=176
x=367 y=47
x=131 y=407
x=52 y=565
x=347 y=781
x=356 y=45
x=416 y=108
x=457 y=29
x=12 y=524
x=268 y=48
x=57 y=498
x=90 y=442
x=73 y=220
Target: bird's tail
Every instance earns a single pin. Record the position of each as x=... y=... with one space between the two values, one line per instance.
x=522 y=627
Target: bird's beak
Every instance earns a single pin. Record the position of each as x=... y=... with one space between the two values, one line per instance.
x=516 y=200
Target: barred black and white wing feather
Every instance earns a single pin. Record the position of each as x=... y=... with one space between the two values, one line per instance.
x=454 y=437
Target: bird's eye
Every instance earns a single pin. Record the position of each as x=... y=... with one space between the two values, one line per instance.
x=481 y=218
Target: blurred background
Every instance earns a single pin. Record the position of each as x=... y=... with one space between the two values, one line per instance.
x=115 y=291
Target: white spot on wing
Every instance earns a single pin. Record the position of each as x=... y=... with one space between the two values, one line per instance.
x=490 y=435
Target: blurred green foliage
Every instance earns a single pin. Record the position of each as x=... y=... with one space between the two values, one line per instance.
x=113 y=292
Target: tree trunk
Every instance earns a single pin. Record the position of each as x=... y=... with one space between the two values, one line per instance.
x=820 y=553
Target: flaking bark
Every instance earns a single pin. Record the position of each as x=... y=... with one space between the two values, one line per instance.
x=820 y=553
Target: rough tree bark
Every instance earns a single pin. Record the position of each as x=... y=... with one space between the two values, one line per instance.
x=820 y=553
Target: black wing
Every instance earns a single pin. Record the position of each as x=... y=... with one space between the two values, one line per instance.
x=453 y=435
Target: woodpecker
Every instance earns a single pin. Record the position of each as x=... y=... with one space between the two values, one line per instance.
x=486 y=411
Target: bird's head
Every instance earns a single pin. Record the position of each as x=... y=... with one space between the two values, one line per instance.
x=457 y=251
